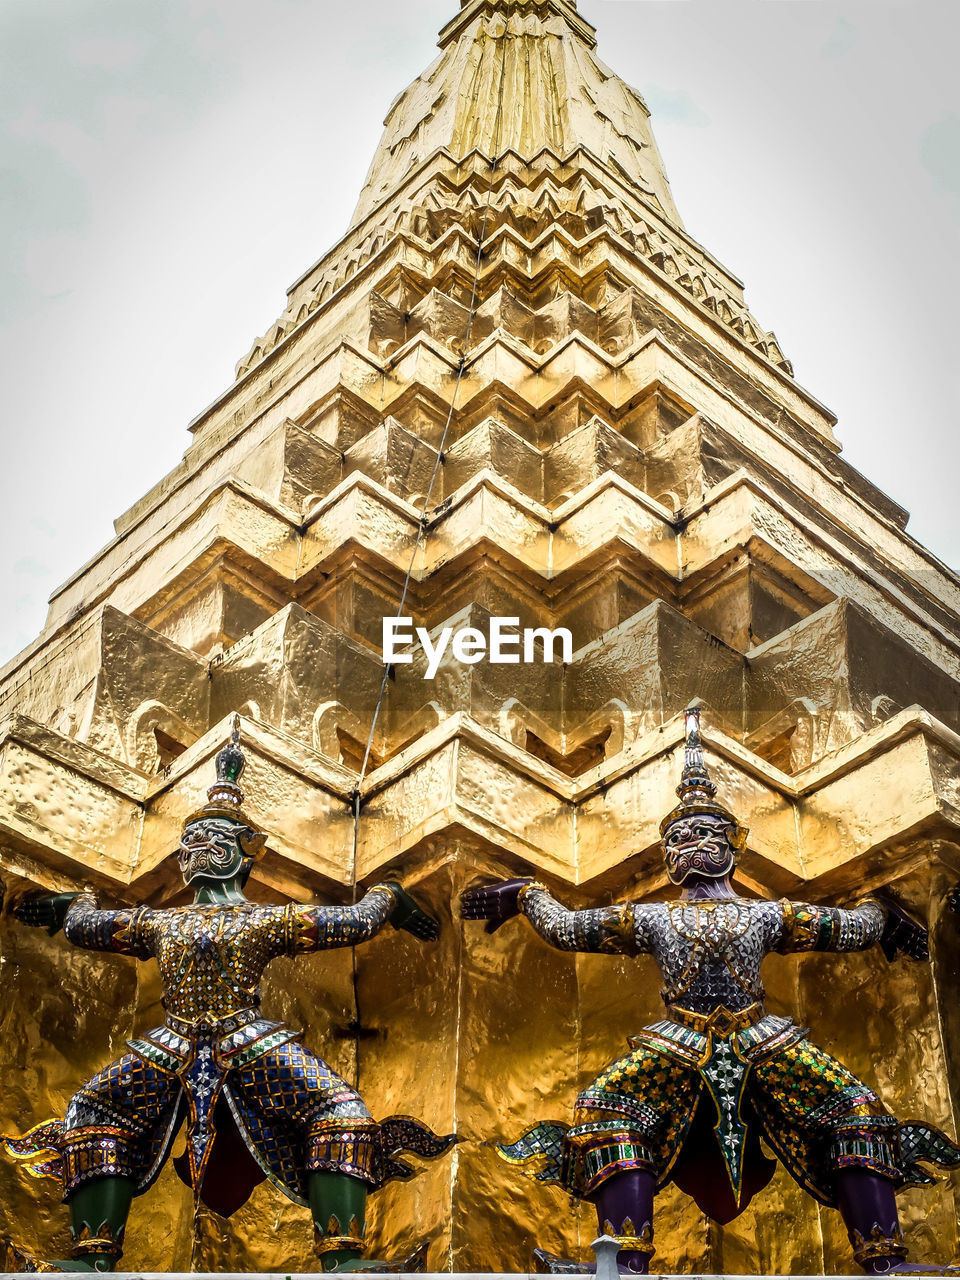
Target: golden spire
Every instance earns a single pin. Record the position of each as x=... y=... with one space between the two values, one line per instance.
x=521 y=76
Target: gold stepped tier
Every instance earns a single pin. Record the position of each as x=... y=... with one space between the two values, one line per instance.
x=239 y=557
x=515 y=202
x=792 y=699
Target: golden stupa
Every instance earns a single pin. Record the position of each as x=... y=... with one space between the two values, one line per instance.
x=517 y=331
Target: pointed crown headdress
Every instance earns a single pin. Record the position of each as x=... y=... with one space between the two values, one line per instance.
x=225 y=797
x=696 y=789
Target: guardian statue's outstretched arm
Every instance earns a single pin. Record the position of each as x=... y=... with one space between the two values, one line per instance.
x=599 y=929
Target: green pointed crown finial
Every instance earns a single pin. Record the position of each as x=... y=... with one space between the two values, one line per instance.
x=231 y=761
x=225 y=798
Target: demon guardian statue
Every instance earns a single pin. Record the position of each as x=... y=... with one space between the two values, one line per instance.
x=691 y=1100
x=256 y=1102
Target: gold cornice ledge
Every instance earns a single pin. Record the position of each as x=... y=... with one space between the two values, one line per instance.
x=534 y=380
x=403 y=245
x=68 y=814
x=738 y=512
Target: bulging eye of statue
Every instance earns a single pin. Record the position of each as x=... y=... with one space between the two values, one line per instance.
x=678 y=836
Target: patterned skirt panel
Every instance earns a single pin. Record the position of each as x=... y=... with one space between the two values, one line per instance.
x=819 y=1118
x=816 y=1115
x=294 y=1113
x=120 y=1125
x=301 y=1117
x=635 y=1115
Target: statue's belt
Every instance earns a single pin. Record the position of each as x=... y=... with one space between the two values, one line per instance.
x=235 y=1041
x=211 y=1025
x=721 y=1021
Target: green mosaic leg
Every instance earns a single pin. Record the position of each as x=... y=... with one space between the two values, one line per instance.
x=98 y=1217
x=338 y=1204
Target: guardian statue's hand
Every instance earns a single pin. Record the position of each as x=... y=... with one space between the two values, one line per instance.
x=409 y=915
x=496 y=903
x=902 y=933
x=45 y=910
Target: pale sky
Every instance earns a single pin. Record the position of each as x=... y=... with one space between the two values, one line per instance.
x=167 y=169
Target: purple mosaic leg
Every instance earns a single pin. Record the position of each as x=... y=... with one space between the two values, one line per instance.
x=869 y=1208
x=625 y=1210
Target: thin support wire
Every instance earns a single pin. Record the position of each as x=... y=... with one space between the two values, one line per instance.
x=422 y=527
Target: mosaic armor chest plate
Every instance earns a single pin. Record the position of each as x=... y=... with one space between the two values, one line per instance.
x=709 y=953
x=211 y=959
